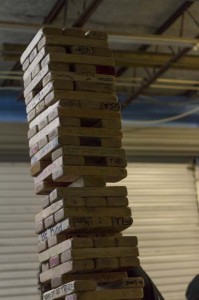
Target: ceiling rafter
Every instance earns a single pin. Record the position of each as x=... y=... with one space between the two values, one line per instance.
x=167 y=24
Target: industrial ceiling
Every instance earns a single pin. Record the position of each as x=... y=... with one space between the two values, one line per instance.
x=155 y=46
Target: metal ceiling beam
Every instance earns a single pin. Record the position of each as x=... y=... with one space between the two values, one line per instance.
x=146 y=84
x=81 y=21
x=168 y=23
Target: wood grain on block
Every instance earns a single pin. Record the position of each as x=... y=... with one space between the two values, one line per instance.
x=76 y=59
x=42 y=142
x=109 y=191
x=87 y=224
x=33 y=54
x=94 y=87
x=49 y=222
x=32 y=131
x=91 y=212
x=25 y=65
x=109 y=252
x=133 y=282
x=43 y=115
x=74 y=32
x=42 y=246
x=100 y=277
x=36 y=71
x=87 y=113
x=69 y=288
x=117 y=201
x=45 y=152
x=79 y=95
x=88 y=181
x=106 y=264
x=43 y=31
x=72 y=41
x=76 y=243
x=85 y=50
x=72 y=173
x=115 y=294
x=45 y=213
x=39 y=97
x=39 y=166
x=128 y=262
x=36 y=81
x=54 y=261
x=79 y=266
x=104 y=242
x=99 y=35
x=126 y=241
x=88 y=151
x=46 y=186
x=45 y=266
x=39 y=227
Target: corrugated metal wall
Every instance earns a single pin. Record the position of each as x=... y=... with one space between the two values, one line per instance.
x=18 y=255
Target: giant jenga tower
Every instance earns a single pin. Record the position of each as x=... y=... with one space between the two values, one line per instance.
x=75 y=149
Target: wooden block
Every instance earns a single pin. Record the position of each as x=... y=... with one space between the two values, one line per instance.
x=43 y=115
x=87 y=69
x=54 y=75
x=117 y=201
x=40 y=107
x=49 y=222
x=106 y=264
x=104 y=242
x=33 y=54
x=36 y=81
x=108 y=70
x=42 y=246
x=46 y=186
x=36 y=70
x=32 y=131
x=59 y=66
x=127 y=263
x=45 y=202
x=111 y=142
x=115 y=294
x=27 y=80
x=95 y=201
x=39 y=166
x=86 y=180
x=77 y=95
x=42 y=142
x=74 y=32
x=74 y=201
x=54 y=261
x=87 y=224
x=133 y=282
x=99 y=35
x=45 y=152
x=107 y=253
x=79 y=266
x=25 y=65
x=29 y=97
x=100 y=278
x=85 y=50
x=36 y=39
x=69 y=288
x=71 y=173
x=45 y=267
x=45 y=213
x=91 y=212
x=110 y=191
x=94 y=87
x=71 y=41
x=116 y=124
x=43 y=123
x=126 y=241
x=39 y=227
x=76 y=59
x=76 y=242
x=87 y=113
x=67 y=130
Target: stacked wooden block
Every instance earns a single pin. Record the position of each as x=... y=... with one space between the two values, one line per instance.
x=75 y=149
